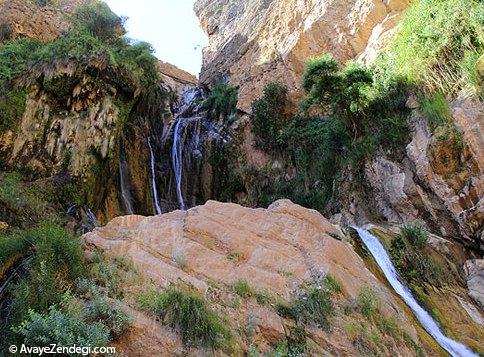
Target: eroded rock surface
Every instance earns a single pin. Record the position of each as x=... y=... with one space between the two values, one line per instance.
x=252 y=43
x=275 y=250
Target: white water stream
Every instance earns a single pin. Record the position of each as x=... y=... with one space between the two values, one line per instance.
x=153 y=180
x=430 y=325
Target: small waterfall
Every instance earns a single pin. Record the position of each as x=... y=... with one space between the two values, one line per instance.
x=177 y=161
x=92 y=217
x=383 y=260
x=153 y=180
x=125 y=193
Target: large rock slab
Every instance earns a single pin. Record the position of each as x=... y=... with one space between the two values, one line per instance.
x=275 y=250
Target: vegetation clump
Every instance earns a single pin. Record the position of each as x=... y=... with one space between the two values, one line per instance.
x=269 y=117
x=187 y=312
x=409 y=254
x=313 y=305
x=369 y=334
x=221 y=102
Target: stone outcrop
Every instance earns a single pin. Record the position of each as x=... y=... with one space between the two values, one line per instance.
x=474 y=270
x=212 y=246
x=252 y=43
x=28 y=19
x=439 y=180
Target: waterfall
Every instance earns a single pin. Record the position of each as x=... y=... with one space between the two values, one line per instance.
x=153 y=180
x=92 y=217
x=430 y=325
x=177 y=161
x=125 y=194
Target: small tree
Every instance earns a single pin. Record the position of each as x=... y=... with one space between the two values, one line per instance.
x=269 y=116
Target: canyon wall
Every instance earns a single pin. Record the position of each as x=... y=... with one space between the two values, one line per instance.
x=252 y=43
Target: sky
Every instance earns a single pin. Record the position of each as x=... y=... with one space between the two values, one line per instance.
x=171 y=27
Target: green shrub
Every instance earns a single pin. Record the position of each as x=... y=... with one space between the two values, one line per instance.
x=12 y=107
x=187 y=313
x=221 y=101
x=57 y=264
x=15 y=57
x=415 y=234
x=13 y=246
x=313 y=306
x=436 y=109
x=269 y=116
x=411 y=258
x=368 y=302
x=61 y=328
x=431 y=44
x=109 y=312
x=99 y=21
x=106 y=274
x=242 y=288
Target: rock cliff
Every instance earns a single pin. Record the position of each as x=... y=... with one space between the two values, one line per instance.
x=276 y=251
x=252 y=43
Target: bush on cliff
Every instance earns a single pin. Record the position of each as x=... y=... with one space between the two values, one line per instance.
x=221 y=101
x=187 y=312
x=437 y=44
x=408 y=252
x=269 y=117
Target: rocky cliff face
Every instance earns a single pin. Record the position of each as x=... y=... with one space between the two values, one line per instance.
x=30 y=19
x=439 y=180
x=252 y=43
x=276 y=251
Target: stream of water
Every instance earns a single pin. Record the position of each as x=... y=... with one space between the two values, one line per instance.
x=156 y=199
x=430 y=325
x=177 y=161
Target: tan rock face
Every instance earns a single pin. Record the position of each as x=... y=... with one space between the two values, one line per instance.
x=43 y=23
x=274 y=249
x=252 y=43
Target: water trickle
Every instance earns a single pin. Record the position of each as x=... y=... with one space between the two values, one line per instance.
x=156 y=199
x=430 y=325
x=92 y=217
x=177 y=161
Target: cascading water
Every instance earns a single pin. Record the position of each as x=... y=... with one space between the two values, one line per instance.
x=177 y=161
x=383 y=260
x=153 y=180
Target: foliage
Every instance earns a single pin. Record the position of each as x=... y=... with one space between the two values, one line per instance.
x=436 y=41
x=409 y=254
x=436 y=109
x=368 y=302
x=242 y=288
x=106 y=274
x=368 y=336
x=97 y=33
x=416 y=234
x=187 y=312
x=269 y=116
x=221 y=101
x=58 y=262
x=15 y=57
x=110 y=312
x=72 y=322
x=12 y=246
x=18 y=197
x=99 y=21
x=62 y=328
x=313 y=305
